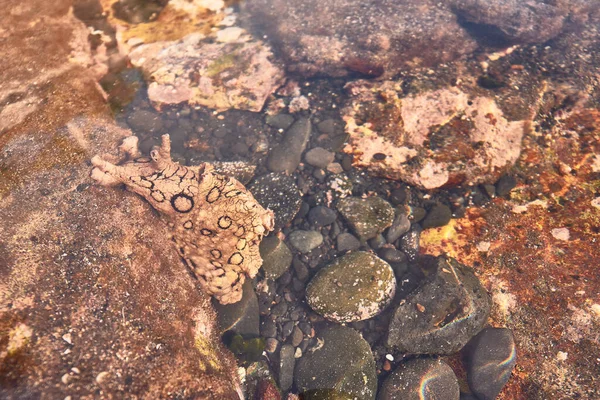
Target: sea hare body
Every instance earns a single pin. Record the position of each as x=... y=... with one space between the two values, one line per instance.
x=217 y=224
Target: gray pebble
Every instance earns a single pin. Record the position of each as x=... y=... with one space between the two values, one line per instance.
x=319 y=157
x=305 y=241
x=286 y=157
x=286 y=366
x=347 y=241
x=297 y=336
x=280 y=121
x=399 y=227
x=392 y=255
x=439 y=215
x=321 y=216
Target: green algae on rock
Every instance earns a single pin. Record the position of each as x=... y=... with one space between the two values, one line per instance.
x=368 y=217
x=354 y=287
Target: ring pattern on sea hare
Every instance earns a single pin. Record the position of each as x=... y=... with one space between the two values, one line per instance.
x=193 y=195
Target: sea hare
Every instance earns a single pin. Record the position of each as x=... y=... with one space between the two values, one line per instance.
x=217 y=224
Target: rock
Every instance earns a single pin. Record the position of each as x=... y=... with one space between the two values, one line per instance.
x=319 y=157
x=354 y=287
x=237 y=74
x=368 y=217
x=377 y=242
x=409 y=137
x=399 y=227
x=297 y=336
x=417 y=213
x=287 y=155
x=305 y=241
x=505 y=185
x=321 y=216
x=277 y=192
x=240 y=170
x=398 y=196
x=525 y=22
x=392 y=255
x=80 y=260
x=442 y=314
x=421 y=379
x=280 y=121
x=242 y=317
x=144 y=121
x=410 y=244
x=347 y=241
x=491 y=357
x=268 y=328
x=439 y=215
x=276 y=256
x=348 y=38
x=286 y=367
x=344 y=363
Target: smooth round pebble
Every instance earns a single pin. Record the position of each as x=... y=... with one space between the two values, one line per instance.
x=305 y=241
x=354 y=287
x=491 y=357
x=367 y=217
x=276 y=256
x=347 y=241
x=421 y=379
x=439 y=215
x=319 y=157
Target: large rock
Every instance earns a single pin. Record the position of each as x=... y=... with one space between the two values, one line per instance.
x=237 y=74
x=443 y=314
x=94 y=300
x=421 y=379
x=491 y=357
x=341 y=37
x=354 y=287
x=531 y=21
x=342 y=362
x=431 y=139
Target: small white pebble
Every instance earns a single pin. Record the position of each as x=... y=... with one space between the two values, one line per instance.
x=389 y=357
x=76 y=370
x=101 y=377
x=67 y=338
x=561 y=234
x=483 y=246
x=298 y=352
x=596 y=309
x=561 y=356
x=596 y=203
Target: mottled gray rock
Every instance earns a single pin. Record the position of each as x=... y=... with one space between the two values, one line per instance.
x=287 y=155
x=242 y=317
x=305 y=241
x=354 y=287
x=144 y=121
x=399 y=227
x=530 y=21
x=280 y=121
x=276 y=256
x=321 y=216
x=491 y=357
x=421 y=379
x=343 y=361
x=286 y=366
x=319 y=157
x=277 y=192
x=443 y=313
x=342 y=37
x=409 y=243
x=367 y=217
x=347 y=241
x=240 y=170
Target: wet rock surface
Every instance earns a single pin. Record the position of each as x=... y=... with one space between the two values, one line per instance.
x=367 y=217
x=242 y=317
x=343 y=362
x=420 y=379
x=276 y=256
x=305 y=241
x=432 y=138
x=287 y=155
x=345 y=37
x=443 y=314
x=277 y=192
x=354 y=287
x=491 y=357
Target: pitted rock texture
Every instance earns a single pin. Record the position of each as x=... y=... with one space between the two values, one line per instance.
x=217 y=224
x=436 y=138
